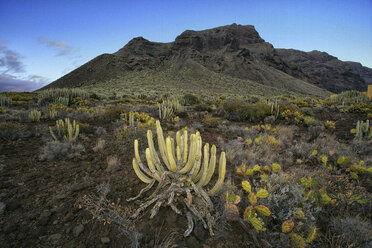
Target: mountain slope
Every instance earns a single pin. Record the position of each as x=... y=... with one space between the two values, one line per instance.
x=326 y=71
x=364 y=72
x=229 y=53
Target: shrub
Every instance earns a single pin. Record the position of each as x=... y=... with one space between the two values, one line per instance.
x=13 y=131
x=113 y=112
x=190 y=99
x=203 y=107
x=354 y=231
x=55 y=150
x=100 y=145
x=19 y=97
x=100 y=131
x=112 y=163
x=351 y=96
x=108 y=212
x=240 y=111
x=330 y=125
x=60 y=96
x=34 y=115
x=5 y=101
x=211 y=121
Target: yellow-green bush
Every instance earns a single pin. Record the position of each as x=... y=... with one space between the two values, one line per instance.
x=241 y=111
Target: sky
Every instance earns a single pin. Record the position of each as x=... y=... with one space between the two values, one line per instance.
x=42 y=40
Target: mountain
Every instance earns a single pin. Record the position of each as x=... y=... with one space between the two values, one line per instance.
x=327 y=71
x=231 y=59
x=364 y=72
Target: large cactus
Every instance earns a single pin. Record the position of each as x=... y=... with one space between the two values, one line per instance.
x=181 y=175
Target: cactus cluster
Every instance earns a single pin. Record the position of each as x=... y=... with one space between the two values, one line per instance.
x=5 y=101
x=65 y=130
x=181 y=175
x=53 y=114
x=168 y=108
x=363 y=130
x=351 y=96
x=136 y=119
x=61 y=96
x=275 y=108
x=34 y=115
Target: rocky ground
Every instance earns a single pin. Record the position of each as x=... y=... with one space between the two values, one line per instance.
x=40 y=199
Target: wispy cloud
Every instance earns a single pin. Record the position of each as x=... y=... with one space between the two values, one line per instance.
x=59 y=46
x=12 y=83
x=10 y=61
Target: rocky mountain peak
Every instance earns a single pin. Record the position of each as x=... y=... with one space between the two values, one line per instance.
x=234 y=36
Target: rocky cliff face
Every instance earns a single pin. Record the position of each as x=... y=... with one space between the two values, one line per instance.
x=325 y=70
x=232 y=50
x=364 y=72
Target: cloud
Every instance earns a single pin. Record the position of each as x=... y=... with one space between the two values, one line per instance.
x=10 y=61
x=59 y=46
x=12 y=83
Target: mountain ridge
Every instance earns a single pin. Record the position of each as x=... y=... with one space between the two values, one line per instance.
x=234 y=50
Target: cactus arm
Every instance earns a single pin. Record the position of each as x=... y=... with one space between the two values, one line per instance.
x=138 y=159
x=154 y=154
x=191 y=159
x=221 y=175
x=52 y=133
x=198 y=155
x=178 y=149
x=139 y=173
x=172 y=162
x=185 y=146
x=151 y=166
x=211 y=167
x=161 y=144
x=77 y=129
x=203 y=172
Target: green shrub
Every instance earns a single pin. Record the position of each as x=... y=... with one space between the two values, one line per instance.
x=61 y=96
x=5 y=101
x=190 y=99
x=241 y=111
x=203 y=107
x=19 y=97
x=350 y=96
x=34 y=115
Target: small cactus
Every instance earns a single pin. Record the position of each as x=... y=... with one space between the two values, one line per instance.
x=363 y=130
x=35 y=115
x=65 y=130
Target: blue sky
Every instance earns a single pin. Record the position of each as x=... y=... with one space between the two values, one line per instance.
x=41 y=40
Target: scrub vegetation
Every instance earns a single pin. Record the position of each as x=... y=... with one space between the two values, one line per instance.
x=85 y=168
